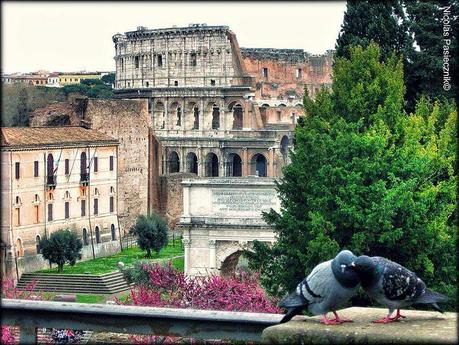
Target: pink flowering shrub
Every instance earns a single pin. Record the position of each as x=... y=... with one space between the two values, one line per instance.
x=7 y=337
x=168 y=287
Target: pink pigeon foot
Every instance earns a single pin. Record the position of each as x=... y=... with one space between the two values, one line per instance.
x=340 y=320
x=398 y=316
x=329 y=322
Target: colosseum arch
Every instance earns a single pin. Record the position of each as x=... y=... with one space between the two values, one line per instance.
x=176 y=115
x=211 y=165
x=233 y=165
x=258 y=165
x=194 y=111
x=159 y=120
x=173 y=162
x=238 y=114
x=192 y=163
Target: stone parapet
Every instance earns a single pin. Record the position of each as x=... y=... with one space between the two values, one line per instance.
x=419 y=327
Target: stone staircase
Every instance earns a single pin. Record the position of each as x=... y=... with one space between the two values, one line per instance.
x=108 y=283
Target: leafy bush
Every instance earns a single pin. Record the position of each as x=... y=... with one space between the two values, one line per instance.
x=151 y=232
x=61 y=247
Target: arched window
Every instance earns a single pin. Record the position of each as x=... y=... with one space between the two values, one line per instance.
x=50 y=170
x=192 y=163
x=215 y=117
x=179 y=116
x=18 y=200
x=196 y=117
x=84 y=176
x=234 y=165
x=67 y=195
x=85 y=237
x=19 y=248
x=211 y=165
x=174 y=162
x=284 y=147
x=97 y=235
x=237 y=117
x=113 y=232
x=37 y=244
x=112 y=190
x=258 y=165
x=158 y=117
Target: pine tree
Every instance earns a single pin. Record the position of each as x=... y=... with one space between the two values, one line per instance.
x=21 y=118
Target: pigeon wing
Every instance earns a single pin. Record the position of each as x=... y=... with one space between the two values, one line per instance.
x=400 y=284
x=317 y=285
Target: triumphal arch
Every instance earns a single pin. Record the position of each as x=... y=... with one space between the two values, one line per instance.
x=221 y=217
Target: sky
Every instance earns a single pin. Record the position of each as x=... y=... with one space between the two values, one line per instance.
x=77 y=36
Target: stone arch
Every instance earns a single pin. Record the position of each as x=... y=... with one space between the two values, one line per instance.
x=284 y=144
x=192 y=163
x=258 y=165
x=228 y=266
x=233 y=165
x=37 y=244
x=211 y=165
x=194 y=110
x=173 y=162
x=19 y=247
x=97 y=231
x=215 y=116
x=159 y=115
x=176 y=112
x=113 y=232
x=238 y=114
x=85 y=237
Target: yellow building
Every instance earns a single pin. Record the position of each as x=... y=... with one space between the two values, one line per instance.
x=54 y=178
x=76 y=78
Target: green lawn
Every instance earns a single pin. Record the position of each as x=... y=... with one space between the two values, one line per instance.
x=89 y=298
x=128 y=256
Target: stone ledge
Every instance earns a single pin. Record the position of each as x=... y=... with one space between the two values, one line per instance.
x=418 y=327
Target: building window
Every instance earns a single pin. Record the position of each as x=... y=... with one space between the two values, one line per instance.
x=85 y=237
x=212 y=82
x=193 y=59
x=265 y=72
x=278 y=116
x=160 y=61
x=147 y=84
x=298 y=72
x=83 y=208
x=67 y=167
x=37 y=244
x=96 y=206
x=96 y=164
x=67 y=210
x=113 y=232
x=17 y=170
x=35 y=169
x=50 y=212
x=136 y=61
x=97 y=234
x=112 y=204
x=111 y=163
x=175 y=83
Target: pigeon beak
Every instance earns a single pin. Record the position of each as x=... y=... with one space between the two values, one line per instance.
x=352 y=264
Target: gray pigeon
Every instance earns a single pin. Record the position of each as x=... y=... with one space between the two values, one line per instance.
x=330 y=285
x=393 y=285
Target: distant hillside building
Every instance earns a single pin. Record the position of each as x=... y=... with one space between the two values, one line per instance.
x=53 y=178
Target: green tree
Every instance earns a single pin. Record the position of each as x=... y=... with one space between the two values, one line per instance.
x=367 y=177
x=21 y=118
x=109 y=79
x=151 y=232
x=62 y=246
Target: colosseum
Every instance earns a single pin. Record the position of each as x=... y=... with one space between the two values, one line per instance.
x=217 y=109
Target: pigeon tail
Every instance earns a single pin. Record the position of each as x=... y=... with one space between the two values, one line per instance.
x=291 y=313
x=293 y=300
x=431 y=297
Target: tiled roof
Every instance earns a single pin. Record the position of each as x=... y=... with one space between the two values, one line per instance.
x=42 y=136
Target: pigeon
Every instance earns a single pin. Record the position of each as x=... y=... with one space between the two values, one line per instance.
x=393 y=285
x=330 y=285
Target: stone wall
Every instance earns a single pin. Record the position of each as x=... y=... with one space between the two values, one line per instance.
x=128 y=121
x=171 y=197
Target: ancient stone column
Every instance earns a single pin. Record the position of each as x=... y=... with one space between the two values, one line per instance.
x=212 y=255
